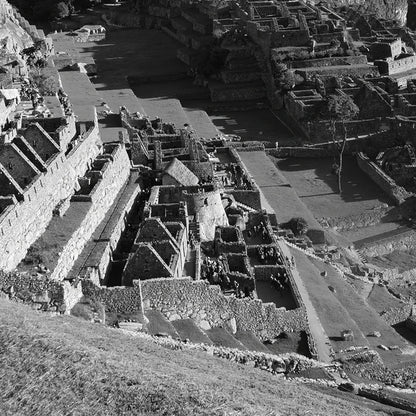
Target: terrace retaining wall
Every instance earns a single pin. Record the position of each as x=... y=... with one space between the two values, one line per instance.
x=40 y=291
x=397 y=193
x=207 y=305
x=105 y=192
x=23 y=223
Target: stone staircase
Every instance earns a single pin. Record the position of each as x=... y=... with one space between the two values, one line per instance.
x=188 y=330
x=245 y=207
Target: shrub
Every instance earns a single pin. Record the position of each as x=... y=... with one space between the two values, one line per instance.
x=298 y=226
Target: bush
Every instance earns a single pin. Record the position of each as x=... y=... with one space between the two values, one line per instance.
x=298 y=226
x=46 y=84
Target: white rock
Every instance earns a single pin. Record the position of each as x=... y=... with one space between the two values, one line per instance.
x=205 y=325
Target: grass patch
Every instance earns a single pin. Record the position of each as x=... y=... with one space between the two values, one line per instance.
x=60 y=365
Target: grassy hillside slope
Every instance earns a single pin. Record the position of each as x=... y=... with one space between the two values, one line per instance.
x=59 y=365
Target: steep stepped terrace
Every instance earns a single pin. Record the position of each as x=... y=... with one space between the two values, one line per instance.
x=125 y=242
x=65 y=237
x=95 y=259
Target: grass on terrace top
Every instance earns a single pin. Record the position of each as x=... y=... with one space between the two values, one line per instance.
x=59 y=365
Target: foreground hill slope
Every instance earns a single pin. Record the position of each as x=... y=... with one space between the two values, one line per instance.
x=58 y=365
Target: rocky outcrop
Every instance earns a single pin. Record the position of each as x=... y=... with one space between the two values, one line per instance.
x=386 y=9
x=13 y=37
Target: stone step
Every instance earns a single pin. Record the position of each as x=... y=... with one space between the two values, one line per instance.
x=188 y=329
x=222 y=338
x=159 y=325
x=250 y=341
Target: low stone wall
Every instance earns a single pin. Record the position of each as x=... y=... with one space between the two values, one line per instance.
x=385 y=182
x=352 y=222
x=247 y=197
x=264 y=272
x=388 y=398
x=120 y=299
x=43 y=293
x=306 y=152
x=250 y=198
x=402 y=242
x=206 y=305
x=397 y=315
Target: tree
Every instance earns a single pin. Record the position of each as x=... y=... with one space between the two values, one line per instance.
x=61 y=10
x=44 y=10
x=298 y=226
x=340 y=108
x=285 y=78
x=46 y=83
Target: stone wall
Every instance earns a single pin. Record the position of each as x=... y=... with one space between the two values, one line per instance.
x=209 y=211
x=307 y=152
x=43 y=293
x=122 y=299
x=388 y=398
x=329 y=61
x=247 y=197
x=207 y=305
x=385 y=182
x=390 y=67
x=397 y=315
x=96 y=264
x=114 y=177
x=321 y=131
x=21 y=224
x=402 y=242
